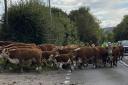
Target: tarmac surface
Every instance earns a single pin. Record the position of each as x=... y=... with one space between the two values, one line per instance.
x=88 y=76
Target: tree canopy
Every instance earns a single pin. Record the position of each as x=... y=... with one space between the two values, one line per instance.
x=121 y=30
x=29 y=21
x=87 y=24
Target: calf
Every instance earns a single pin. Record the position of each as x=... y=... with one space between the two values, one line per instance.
x=65 y=61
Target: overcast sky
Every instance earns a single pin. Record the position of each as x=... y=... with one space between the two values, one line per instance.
x=109 y=12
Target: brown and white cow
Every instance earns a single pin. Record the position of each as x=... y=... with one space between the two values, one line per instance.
x=19 y=55
x=65 y=61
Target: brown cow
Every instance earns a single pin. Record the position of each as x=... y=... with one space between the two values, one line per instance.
x=85 y=55
x=4 y=43
x=121 y=52
x=102 y=54
x=116 y=55
x=47 y=47
x=113 y=55
x=19 y=55
x=20 y=45
x=9 y=44
x=65 y=50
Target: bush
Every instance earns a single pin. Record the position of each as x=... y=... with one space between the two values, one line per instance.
x=30 y=22
x=25 y=23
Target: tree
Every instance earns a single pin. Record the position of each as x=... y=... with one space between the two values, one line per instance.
x=64 y=29
x=25 y=23
x=121 y=30
x=87 y=24
x=29 y=21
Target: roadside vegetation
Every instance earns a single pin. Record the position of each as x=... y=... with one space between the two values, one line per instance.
x=29 y=21
x=121 y=30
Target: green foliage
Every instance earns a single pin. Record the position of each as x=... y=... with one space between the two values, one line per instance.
x=121 y=30
x=105 y=36
x=30 y=22
x=87 y=25
x=25 y=23
x=62 y=26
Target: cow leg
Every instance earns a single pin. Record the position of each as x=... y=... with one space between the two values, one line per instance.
x=6 y=64
x=105 y=60
x=55 y=65
x=111 y=63
x=74 y=64
x=21 y=65
x=121 y=57
x=80 y=63
x=60 y=64
x=83 y=64
x=115 y=62
x=38 y=66
x=72 y=67
x=95 y=63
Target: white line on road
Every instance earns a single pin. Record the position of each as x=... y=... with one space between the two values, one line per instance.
x=124 y=63
x=66 y=82
x=68 y=74
x=67 y=78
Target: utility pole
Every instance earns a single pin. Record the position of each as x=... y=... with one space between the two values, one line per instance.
x=50 y=12
x=6 y=14
x=50 y=16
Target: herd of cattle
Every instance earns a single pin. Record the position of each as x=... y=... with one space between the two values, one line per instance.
x=69 y=56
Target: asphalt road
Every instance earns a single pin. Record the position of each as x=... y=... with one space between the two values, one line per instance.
x=102 y=76
x=88 y=76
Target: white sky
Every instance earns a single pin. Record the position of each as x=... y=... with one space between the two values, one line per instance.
x=109 y=12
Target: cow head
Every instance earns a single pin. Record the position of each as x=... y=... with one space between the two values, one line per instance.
x=5 y=53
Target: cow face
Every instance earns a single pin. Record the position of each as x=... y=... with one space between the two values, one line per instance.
x=4 y=54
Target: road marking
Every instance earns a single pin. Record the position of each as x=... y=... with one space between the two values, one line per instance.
x=67 y=78
x=68 y=74
x=66 y=82
x=122 y=62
